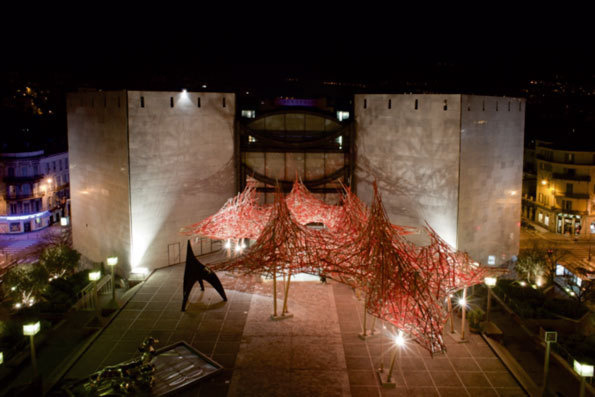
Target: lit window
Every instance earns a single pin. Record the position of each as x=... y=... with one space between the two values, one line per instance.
x=491 y=259
x=559 y=270
x=249 y=114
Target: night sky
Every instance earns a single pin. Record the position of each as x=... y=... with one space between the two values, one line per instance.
x=291 y=49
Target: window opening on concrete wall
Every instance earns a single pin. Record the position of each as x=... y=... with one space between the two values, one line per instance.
x=142 y=101
x=223 y=102
x=171 y=101
x=198 y=102
x=416 y=104
x=390 y=103
x=445 y=105
x=365 y=103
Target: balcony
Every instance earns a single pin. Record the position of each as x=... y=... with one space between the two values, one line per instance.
x=569 y=177
x=23 y=179
x=24 y=196
x=582 y=196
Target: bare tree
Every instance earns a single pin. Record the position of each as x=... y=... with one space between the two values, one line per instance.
x=540 y=261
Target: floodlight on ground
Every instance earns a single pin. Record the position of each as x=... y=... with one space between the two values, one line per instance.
x=31 y=328
x=112 y=261
x=462 y=302
x=238 y=248
x=522 y=284
x=94 y=276
x=184 y=91
x=544 y=181
x=63 y=221
x=227 y=244
x=143 y=271
x=539 y=282
x=490 y=281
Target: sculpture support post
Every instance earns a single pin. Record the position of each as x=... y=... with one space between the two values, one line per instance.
x=452 y=324
x=286 y=294
x=275 y=292
x=364 y=331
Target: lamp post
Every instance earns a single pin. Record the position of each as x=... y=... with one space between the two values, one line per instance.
x=112 y=261
x=30 y=330
x=550 y=337
x=450 y=315
x=399 y=343
x=490 y=283
x=463 y=304
x=94 y=276
x=584 y=370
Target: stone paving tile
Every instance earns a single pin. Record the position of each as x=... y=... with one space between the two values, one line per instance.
x=317 y=352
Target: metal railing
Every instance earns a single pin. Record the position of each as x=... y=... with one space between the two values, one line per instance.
x=86 y=297
x=205 y=245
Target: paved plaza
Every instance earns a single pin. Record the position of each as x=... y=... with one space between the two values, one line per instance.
x=315 y=353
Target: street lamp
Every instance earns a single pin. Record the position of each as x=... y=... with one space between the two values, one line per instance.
x=112 y=261
x=584 y=370
x=399 y=341
x=490 y=283
x=463 y=305
x=550 y=337
x=94 y=276
x=30 y=330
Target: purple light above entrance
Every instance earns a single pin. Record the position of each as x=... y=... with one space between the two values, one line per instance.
x=24 y=217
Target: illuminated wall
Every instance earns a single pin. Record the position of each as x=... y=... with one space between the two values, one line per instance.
x=144 y=166
x=413 y=154
x=492 y=132
x=454 y=161
x=99 y=174
x=181 y=168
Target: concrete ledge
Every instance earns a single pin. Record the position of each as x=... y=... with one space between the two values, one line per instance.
x=513 y=366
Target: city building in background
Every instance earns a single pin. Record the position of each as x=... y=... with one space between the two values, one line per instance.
x=35 y=190
x=144 y=164
x=564 y=200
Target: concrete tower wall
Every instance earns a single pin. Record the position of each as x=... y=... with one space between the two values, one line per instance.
x=492 y=131
x=99 y=184
x=413 y=154
x=181 y=168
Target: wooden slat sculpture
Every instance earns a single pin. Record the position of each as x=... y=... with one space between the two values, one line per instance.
x=404 y=284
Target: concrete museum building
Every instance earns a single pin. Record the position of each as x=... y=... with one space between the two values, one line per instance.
x=145 y=164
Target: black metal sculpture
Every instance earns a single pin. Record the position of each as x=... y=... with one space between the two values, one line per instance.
x=196 y=271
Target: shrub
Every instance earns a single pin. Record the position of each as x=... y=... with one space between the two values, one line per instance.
x=566 y=308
